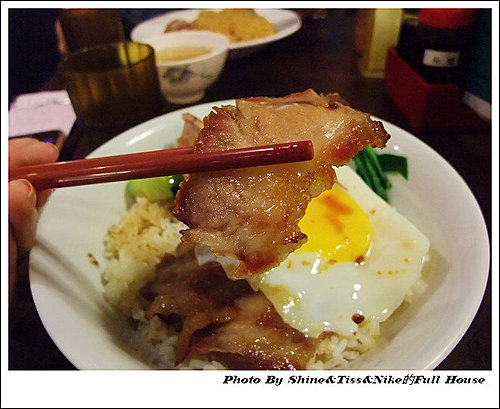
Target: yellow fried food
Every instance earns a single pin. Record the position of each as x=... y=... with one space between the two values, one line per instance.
x=237 y=24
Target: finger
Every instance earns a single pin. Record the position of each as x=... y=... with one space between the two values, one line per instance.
x=42 y=197
x=23 y=214
x=30 y=151
x=17 y=148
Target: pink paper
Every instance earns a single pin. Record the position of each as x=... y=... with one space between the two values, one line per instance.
x=41 y=112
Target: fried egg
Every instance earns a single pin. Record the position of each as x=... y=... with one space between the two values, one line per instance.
x=360 y=260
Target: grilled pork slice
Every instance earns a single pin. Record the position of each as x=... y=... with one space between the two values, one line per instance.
x=192 y=127
x=252 y=214
x=257 y=338
x=222 y=318
x=191 y=295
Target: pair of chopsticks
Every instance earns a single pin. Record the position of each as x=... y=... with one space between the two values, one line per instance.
x=157 y=163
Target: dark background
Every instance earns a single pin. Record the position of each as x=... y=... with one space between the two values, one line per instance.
x=33 y=54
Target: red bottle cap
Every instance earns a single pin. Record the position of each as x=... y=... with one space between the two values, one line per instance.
x=447 y=18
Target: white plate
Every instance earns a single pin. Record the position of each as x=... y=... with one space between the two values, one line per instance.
x=68 y=294
x=286 y=22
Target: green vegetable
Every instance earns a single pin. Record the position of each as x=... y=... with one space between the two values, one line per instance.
x=394 y=163
x=372 y=168
x=155 y=189
x=361 y=168
x=373 y=162
x=376 y=182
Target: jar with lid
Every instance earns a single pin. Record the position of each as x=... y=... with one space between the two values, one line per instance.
x=443 y=40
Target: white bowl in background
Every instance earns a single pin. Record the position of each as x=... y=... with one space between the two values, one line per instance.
x=185 y=81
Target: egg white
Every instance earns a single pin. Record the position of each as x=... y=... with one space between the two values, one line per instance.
x=313 y=295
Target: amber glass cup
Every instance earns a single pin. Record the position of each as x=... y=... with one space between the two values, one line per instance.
x=113 y=85
x=87 y=27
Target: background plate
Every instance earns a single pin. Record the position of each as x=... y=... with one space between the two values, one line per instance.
x=286 y=22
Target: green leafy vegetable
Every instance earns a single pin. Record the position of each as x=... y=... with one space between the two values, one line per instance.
x=372 y=167
x=394 y=163
x=155 y=189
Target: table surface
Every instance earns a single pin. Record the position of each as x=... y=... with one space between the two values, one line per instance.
x=319 y=56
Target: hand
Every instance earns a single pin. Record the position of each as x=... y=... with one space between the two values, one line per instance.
x=24 y=201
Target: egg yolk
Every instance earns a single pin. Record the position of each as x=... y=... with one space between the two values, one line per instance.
x=336 y=227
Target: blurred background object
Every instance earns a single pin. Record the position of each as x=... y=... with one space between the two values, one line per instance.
x=132 y=17
x=188 y=62
x=439 y=74
x=477 y=93
x=33 y=44
x=86 y=27
x=406 y=43
x=376 y=30
x=314 y=14
x=442 y=46
x=113 y=84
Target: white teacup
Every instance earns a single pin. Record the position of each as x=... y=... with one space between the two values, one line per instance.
x=188 y=62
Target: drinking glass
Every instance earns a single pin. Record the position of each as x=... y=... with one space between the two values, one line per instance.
x=87 y=27
x=113 y=84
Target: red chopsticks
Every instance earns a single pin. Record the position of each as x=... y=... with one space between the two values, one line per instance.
x=158 y=163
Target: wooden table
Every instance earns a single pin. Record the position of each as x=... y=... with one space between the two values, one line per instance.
x=319 y=56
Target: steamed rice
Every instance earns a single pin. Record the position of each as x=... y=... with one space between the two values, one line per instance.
x=134 y=247
x=138 y=243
